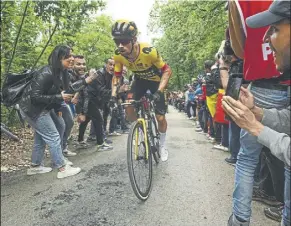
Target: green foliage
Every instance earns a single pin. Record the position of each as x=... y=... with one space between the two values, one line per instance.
x=75 y=24
x=192 y=33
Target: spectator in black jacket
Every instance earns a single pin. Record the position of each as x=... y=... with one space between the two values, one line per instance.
x=88 y=109
x=40 y=106
x=210 y=91
x=105 y=79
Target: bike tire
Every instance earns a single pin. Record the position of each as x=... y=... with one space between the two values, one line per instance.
x=156 y=153
x=142 y=195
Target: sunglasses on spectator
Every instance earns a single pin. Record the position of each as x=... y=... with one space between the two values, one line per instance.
x=122 y=42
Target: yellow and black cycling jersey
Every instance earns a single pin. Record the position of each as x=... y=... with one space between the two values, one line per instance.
x=148 y=65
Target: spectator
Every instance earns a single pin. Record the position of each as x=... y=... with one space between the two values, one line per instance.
x=260 y=69
x=40 y=106
x=119 y=120
x=190 y=98
x=201 y=105
x=79 y=72
x=211 y=95
x=105 y=80
x=278 y=38
x=228 y=68
x=89 y=109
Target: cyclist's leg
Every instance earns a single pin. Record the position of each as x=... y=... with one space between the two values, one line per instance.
x=160 y=109
x=137 y=91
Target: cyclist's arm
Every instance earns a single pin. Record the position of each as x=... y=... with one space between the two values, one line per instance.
x=166 y=70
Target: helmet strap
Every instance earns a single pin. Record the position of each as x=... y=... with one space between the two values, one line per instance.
x=131 y=46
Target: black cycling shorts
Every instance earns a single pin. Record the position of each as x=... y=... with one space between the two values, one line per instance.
x=139 y=88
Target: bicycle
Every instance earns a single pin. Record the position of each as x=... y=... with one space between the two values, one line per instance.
x=142 y=144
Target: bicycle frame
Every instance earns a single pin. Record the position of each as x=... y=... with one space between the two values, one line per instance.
x=144 y=106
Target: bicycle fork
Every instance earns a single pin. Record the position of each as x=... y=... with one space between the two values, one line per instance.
x=142 y=121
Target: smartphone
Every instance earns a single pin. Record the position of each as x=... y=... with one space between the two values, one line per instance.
x=233 y=86
x=235 y=81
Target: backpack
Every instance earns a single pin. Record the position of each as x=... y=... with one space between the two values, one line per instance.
x=14 y=85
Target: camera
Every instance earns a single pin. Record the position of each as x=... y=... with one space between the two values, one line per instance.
x=225 y=52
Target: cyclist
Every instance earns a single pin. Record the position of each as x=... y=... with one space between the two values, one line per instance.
x=150 y=73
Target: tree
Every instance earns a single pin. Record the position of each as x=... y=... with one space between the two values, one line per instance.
x=192 y=32
x=47 y=24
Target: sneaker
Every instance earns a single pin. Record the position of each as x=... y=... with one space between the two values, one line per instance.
x=191 y=117
x=211 y=139
x=220 y=147
x=198 y=129
x=114 y=134
x=82 y=144
x=69 y=153
x=164 y=154
x=233 y=221
x=261 y=196
x=104 y=147
x=90 y=139
x=274 y=213
x=68 y=171
x=108 y=141
x=68 y=162
x=38 y=170
x=231 y=161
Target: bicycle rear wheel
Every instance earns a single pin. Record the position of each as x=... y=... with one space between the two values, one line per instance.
x=139 y=162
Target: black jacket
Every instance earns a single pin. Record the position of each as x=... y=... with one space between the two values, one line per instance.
x=95 y=93
x=105 y=78
x=210 y=84
x=43 y=93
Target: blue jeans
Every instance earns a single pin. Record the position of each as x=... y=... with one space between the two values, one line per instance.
x=48 y=130
x=72 y=109
x=69 y=123
x=248 y=156
x=286 y=211
x=234 y=139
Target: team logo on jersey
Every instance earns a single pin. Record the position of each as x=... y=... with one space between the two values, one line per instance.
x=147 y=50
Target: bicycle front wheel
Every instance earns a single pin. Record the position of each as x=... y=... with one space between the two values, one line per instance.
x=139 y=162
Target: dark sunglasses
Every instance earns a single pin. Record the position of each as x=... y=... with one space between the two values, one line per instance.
x=122 y=42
